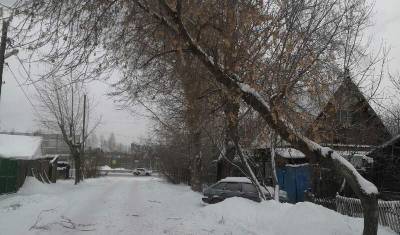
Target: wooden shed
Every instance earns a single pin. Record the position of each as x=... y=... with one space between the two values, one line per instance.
x=20 y=156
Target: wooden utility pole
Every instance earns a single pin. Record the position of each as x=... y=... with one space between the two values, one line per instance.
x=71 y=125
x=84 y=124
x=3 y=46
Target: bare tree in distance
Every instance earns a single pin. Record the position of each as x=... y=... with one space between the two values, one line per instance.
x=63 y=111
x=286 y=50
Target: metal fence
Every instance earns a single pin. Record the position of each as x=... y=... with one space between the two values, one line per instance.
x=389 y=211
x=326 y=202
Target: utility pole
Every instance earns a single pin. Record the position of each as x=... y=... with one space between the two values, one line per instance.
x=3 y=46
x=71 y=125
x=84 y=124
x=82 y=153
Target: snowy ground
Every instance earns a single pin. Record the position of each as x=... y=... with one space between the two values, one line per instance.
x=149 y=205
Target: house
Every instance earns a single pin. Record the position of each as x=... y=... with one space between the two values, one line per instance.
x=21 y=156
x=346 y=123
x=349 y=125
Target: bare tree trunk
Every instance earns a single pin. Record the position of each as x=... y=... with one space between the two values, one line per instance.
x=232 y=98
x=195 y=180
x=249 y=172
x=78 y=167
x=370 y=211
x=231 y=111
x=193 y=119
x=275 y=182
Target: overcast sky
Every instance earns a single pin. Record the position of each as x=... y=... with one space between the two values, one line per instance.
x=16 y=113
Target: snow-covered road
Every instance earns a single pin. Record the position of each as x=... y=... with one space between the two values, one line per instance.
x=109 y=205
x=149 y=205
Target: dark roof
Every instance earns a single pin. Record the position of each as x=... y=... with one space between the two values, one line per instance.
x=348 y=83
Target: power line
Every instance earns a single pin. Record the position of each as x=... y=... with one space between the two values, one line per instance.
x=28 y=75
x=8 y=7
x=23 y=91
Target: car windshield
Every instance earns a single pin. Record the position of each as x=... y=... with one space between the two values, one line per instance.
x=233 y=186
x=219 y=186
x=249 y=188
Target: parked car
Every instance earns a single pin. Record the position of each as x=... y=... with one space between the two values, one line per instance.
x=230 y=187
x=142 y=171
x=282 y=193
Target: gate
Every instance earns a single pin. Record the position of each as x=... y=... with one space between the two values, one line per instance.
x=294 y=179
x=8 y=176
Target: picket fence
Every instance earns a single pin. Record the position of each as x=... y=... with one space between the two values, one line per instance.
x=389 y=211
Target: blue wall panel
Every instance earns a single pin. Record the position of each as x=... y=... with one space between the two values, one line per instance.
x=294 y=180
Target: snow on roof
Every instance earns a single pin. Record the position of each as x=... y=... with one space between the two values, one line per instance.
x=289 y=153
x=236 y=180
x=297 y=165
x=20 y=147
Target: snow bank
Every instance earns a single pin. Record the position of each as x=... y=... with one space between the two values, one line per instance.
x=34 y=186
x=241 y=216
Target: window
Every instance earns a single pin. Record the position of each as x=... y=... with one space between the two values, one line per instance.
x=220 y=186
x=233 y=187
x=345 y=117
x=249 y=188
x=356 y=119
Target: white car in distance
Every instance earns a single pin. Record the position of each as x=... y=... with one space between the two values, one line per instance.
x=142 y=171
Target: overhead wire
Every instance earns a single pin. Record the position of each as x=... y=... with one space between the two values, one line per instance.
x=23 y=90
x=27 y=72
x=4 y=5
x=31 y=80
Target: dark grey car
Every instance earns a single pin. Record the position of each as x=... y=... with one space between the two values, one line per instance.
x=225 y=189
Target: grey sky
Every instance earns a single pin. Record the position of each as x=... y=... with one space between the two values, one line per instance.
x=16 y=112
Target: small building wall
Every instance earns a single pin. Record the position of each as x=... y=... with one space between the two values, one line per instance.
x=13 y=173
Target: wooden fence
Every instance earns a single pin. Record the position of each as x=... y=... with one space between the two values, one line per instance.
x=389 y=211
